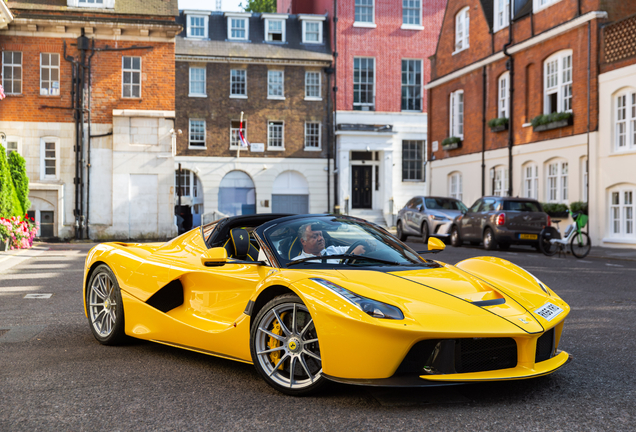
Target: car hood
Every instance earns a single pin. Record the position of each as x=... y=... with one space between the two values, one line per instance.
x=451 y=214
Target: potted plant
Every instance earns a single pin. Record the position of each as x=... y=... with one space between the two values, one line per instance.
x=451 y=143
x=546 y=122
x=555 y=210
x=498 y=124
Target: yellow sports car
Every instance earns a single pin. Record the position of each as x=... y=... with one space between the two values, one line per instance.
x=312 y=298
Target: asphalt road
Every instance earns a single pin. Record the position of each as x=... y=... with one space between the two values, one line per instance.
x=55 y=376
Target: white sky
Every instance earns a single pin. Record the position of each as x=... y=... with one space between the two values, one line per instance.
x=210 y=5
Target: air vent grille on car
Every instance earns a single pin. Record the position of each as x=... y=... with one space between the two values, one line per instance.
x=545 y=346
x=478 y=355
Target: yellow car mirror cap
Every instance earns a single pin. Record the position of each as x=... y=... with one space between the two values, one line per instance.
x=214 y=257
x=435 y=245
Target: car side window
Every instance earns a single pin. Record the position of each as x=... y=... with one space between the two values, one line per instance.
x=409 y=204
x=489 y=205
x=419 y=204
x=475 y=206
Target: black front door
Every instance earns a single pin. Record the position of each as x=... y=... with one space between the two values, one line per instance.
x=361 y=186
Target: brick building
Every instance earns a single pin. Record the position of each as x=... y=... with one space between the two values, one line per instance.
x=514 y=98
x=90 y=106
x=381 y=124
x=273 y=68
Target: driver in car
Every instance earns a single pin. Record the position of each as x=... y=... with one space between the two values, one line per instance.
x=313 y=244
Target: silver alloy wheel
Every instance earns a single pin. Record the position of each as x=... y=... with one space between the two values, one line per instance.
x=102 y=305
x=488 y=239
x=292 y=358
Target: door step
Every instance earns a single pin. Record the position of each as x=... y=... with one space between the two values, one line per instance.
x=373 y=216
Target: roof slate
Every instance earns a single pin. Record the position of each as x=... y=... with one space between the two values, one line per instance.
x=126 y=7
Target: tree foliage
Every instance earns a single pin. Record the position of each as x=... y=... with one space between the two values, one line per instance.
x=259 y=6
x=9 y=201
x=17 y=167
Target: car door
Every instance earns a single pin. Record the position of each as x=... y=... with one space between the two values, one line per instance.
x=415 y=220
x=486 y=210
x=467 y=222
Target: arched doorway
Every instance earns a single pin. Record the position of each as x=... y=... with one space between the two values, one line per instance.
x=290 y=193
x=190 y=188
x=237 y=195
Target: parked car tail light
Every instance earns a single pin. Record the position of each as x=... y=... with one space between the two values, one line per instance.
x=501 y=219
x=549 y=221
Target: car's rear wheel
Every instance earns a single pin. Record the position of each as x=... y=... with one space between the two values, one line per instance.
x=284 y=346
x=489 y=240
x=105 y=307
x=456 y=240
x=400 y=231
x=424 y=232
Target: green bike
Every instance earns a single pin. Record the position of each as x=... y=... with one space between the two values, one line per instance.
x=550 y=241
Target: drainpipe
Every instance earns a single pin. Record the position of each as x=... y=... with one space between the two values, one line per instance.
x=336 y=206
x=511 y=67
x=587 y=160
x=88 y=150
x=483 y=132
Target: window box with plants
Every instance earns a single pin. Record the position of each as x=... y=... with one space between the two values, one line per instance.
x=451 y=143
x=579 y=207
x=546 y=122
x=555 y=210
x=498 y=124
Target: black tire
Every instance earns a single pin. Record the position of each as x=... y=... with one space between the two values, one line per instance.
x=490 y=243
x=400 y=232
x=290 y=343
x=504 y=246
x=105 y=307
x=545 y=246
x=580 y=245
x=424 y=232
x=456 y=240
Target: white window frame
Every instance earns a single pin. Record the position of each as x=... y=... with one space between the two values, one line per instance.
x=313 y=148
x=50 y=68
x=531 y=181
x=106 y=4
x=191 y=93
x=455 y=186
x=43 y=141
x=271 y=147
x=315 y=19
x=557 y=179
x=412 y=26
x=402 y=85
x=307 y=85
x=371 y=23
x=131 y=71
x=539 y=5
x=189 y=25
x=410 y=166
x=371 y=105
x=625 y=121
x=503 y=95
x=238 y=95
x=501 y=19
x=500 y=184
x=235 y=139
x=622 y=215
x=462 y=30
x=561 y=84
x=196 y=146
x=13 y=139
x=270 y=75
x=13 y=66
x=238 y=16
x=283 y=22
x=456 y=114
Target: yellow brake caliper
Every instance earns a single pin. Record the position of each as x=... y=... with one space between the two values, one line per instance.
x=275 y=343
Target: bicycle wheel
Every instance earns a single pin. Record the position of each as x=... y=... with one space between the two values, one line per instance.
x=580 y=245
x=548 y=248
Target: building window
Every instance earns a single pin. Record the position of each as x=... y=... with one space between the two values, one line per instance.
x=235 y=139
x=237 y=28
x=502 y=14
x=411 y=12
x=531 y=181
x=182 y=181
x=197 y=81
x=49 y=158
x=557 y=182
x=622 y=213
x=131 y=70
x=363 y=83
x=558 y=82
x=275 y=30
x=197 y=26
x=49 y=74
x=275 y=87
x=411 y=85
x=312 y=86
x=500 y=181
x=542 y=4
x=238 y=83
x=102 y=4
x=12 y=72
x=455 y=186
x=504 y=96
x=312 y=32
x=197 y=133
x=12 y=146
x=275 y=136
x=625 y=128
x=312 y=136
x=412 y=153
x=462 y=25
x=364 y=11
x=457 y=114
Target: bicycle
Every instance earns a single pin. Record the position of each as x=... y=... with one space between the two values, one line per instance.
x=550 y=241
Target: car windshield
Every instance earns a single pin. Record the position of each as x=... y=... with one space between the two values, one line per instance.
x=522 y=206
x=444 y=204
x=311 y=241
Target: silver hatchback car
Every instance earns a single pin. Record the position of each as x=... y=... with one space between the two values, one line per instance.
x=428 y=216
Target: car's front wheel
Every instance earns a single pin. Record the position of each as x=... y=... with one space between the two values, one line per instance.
x=400 y=231
x=456 y=240
x=284 y=346
x=105 y=307
x=424 y=232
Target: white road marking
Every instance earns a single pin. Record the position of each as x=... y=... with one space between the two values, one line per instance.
x=38 y=296
x=18 y=289
x=613 y=265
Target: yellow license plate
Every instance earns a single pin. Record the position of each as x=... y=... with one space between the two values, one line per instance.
x=527 y=236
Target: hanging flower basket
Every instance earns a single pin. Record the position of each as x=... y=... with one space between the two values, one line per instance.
x=552 y=121
x=451 y=143
x=498 y=124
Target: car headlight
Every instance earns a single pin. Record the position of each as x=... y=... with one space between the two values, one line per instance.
x=440 y=218
x=373 y=308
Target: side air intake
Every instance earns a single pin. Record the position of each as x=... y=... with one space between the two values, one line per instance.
x=168 y=297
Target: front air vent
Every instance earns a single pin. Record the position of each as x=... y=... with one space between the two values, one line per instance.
x=168 y=297
x=545 y=346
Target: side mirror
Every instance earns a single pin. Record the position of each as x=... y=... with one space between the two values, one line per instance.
x=214 y=257
x=435 y=245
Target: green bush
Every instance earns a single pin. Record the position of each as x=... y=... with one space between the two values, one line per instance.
x=499 y=121
x=544 y=119
x=9 y=201
x=450 y=140
x=551 y=208
x=579 y=207
x=17 y=167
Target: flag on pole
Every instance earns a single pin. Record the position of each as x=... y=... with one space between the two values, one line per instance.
x=244 y=142
x=2 y=96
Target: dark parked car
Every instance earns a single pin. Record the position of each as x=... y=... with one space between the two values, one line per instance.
x=428 y=216
x=500 y=221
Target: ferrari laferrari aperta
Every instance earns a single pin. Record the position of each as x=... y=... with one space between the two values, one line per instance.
x=314 y=298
